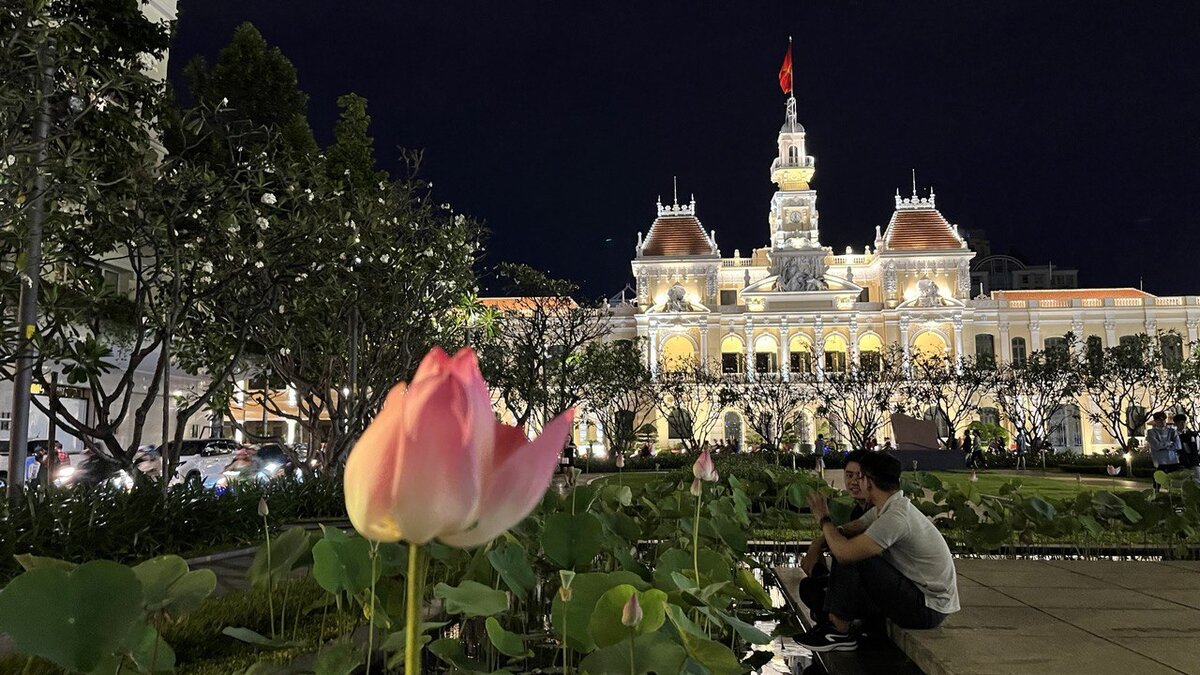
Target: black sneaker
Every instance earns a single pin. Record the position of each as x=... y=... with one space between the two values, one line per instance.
x=827 y=639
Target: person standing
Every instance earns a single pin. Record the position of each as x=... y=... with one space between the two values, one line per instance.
x=887 y=445
x=968 y=451
x=819 y=451
x=1022 y=449
x=1164 y=445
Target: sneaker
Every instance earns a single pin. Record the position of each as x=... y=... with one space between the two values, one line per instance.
x=827 y=639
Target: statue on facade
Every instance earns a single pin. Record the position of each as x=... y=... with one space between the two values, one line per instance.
x=677 y=299
x=815 y=283
x=928 y=293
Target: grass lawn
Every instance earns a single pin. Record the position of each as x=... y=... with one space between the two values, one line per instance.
x=633 y=478
x=1032 y=482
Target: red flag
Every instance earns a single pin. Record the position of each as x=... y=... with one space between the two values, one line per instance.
x=785 y=71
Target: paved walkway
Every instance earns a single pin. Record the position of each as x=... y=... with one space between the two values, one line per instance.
x=1065 y=617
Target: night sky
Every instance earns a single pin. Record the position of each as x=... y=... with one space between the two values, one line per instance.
x=1068 y=131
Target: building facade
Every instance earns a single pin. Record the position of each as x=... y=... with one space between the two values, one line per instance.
x=795 y=303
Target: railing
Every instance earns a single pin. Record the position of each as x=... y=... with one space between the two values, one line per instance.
x=1092 y=302
x=737 y=262
x=1054 y=303
x=1172 y=301
x=1017 y=304
x=1127 y=302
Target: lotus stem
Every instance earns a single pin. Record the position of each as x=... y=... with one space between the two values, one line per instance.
x=632 y=663
x=696 y=536
x=374 y=605
x=412 y=659
x=270 y=578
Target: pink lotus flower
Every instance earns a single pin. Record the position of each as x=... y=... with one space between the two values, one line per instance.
x=435 y=462
x=704 y=469
x=1114 y=470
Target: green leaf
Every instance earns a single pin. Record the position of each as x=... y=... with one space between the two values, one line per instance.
x=586 y=590
x=716 y=657
x=288 y=550
x=797 y=494
x=472 y=599
x=74 y=618
x=840 y=509
x=605 y=625
x=450 y=650
x=1041 y=507
x=747 y=631
x=714 y=567
x=253 y=638
x=511 y=562
x=342 y=564
x=508 y=643
x=652 y=653
x=571 y=541
x=746 y=581
x=168 y=585
x=150 y=657
x=32 y=562
x=342 y=658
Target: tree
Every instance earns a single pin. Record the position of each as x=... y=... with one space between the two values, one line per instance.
x=619 y=390
x=690 y=396
x=256 y=84
x=1031 y=395
x=1128 y=382
x=953 y=390
x=769 y=403
x=533 y=358
x=857 y=403
x=386 y=275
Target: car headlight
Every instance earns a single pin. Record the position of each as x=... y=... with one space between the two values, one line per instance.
x=65 y=472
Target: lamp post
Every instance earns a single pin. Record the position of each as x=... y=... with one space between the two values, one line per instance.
x=30 y=277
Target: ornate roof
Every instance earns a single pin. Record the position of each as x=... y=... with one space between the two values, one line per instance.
x=677 y=232
x=917 y=225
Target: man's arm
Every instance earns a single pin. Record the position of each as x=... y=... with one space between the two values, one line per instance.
x=848 y=549
x=853 y=528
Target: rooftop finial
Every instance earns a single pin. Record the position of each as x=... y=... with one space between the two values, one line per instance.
x=675 y=187
x=914 y=175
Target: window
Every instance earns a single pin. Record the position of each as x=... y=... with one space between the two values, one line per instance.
x=865 y=295
x=766 y=362
x=679 y=424
x=985 y=350
x=871 y=361
x=729 y=297
x=731 y=364
x=793 y=155
x=1128 y=342
x=1135 y=420
x=801 y=362
x=835 y=362
x=1018 y=351
x=1057 y=348
x=5 y=421
x=989 y=416
x=1171 y=346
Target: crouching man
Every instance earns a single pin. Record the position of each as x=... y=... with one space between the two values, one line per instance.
x=899 y=569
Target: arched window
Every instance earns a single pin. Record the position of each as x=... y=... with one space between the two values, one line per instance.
x=1018 y=351
x=732 y=360
x=835 y=354
x=800 y=355
x=766 y=354
x=677 y=352
x=793 y=155
x=733 y=427
x=870 y=349
x=1057 y=348
x=931 y=344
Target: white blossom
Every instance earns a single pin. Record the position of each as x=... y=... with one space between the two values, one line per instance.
x=259 y=265
x=262 y=223
x=268 y=198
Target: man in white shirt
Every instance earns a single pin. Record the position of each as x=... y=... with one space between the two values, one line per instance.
x=1164 y=444
x=900 y=568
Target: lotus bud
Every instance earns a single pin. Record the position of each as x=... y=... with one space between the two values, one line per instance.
x=620 y=460
x=631 y=615
x=263 y=511
x=704 y=469
x=1114 y=470
x=696 y=487
x=567 y=577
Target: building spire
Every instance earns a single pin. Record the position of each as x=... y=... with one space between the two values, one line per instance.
x=914 y=178
x=675 y=188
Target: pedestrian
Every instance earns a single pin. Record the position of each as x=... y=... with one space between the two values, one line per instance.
x=887 y=444
x=1189 y=457
x=819 y=450
x=968 y=451
x=1022 y=449
x=1164 y=444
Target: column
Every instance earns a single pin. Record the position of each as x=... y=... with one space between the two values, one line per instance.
x=1192 y=324
x=749 y=344
x=904 y=321
x=652 y=352
x=819 y=349
x=1004 y=349
x=1077 y=331
x=1110 y=332
x=785 y=349
x=704 y=341
x=1035 y=335
x=958 y=343
x=852 y=348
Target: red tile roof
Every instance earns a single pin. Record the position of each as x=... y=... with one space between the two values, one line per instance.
x=920 y=230
x=676 y=236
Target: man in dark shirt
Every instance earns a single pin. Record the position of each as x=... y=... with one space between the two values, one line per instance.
x=1189 y=454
